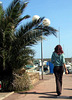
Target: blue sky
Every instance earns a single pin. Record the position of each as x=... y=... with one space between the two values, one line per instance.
x=60 y=14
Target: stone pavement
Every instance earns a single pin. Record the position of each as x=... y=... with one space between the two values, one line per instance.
x=45 y=90
x=5 y=94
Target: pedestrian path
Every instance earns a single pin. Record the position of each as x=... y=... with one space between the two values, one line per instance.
x=45 y=90
x=3 y=95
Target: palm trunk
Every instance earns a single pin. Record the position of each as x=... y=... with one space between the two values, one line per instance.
x=3 y=51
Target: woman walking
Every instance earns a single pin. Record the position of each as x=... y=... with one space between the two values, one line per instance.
x=58 y=61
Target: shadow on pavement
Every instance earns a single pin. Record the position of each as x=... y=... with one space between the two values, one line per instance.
x=45 y=93
x=67 y=89
x=48 y=95
x=58 y=97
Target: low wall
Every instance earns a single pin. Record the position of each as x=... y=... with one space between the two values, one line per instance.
x=34 y=77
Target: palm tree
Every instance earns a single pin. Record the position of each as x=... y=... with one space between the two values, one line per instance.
x=16 y=39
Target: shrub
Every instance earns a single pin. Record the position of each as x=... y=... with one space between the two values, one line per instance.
x=17 y=82
x=21 y=81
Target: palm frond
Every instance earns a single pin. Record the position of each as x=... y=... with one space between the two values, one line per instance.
x=25 y=17
x=23 y=6
x=11 y=6
x=47 y=30
x=15 y=10
x=24 y=30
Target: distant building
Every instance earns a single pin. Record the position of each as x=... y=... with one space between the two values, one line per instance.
x=66 y=59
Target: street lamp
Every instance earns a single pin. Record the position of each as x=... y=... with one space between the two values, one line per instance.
x=46 y=22
x=35 y=17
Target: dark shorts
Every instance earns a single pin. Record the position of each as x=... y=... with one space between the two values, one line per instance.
x=58 y=69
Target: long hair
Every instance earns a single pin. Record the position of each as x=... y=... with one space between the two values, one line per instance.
x=58 y=49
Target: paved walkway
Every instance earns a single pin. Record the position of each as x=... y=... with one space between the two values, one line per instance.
x=5 y=94
x=45 y=90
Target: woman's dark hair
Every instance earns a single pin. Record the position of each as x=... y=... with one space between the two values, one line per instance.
x=58 y=49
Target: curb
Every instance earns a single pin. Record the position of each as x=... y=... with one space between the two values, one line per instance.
x=6 y=95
